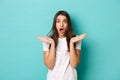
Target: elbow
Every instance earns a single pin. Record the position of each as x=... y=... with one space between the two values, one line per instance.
x=74 y=65
x=49 y=66
x=78 y=62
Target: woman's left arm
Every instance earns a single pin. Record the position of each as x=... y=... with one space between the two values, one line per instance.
x=74 y=56
x=75 y=53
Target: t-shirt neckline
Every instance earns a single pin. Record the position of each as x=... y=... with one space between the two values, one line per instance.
x=62 y=38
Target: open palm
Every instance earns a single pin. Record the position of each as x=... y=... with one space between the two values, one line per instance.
x=78 y=38
x=45 y=39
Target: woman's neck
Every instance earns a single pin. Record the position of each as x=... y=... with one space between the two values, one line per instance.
x=62 y=36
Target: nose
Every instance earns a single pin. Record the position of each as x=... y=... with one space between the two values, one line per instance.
x=61 y=24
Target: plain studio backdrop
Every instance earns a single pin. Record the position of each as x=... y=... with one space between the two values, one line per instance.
x=21 y=53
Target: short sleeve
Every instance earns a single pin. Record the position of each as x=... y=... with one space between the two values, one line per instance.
x=78 y=45
x=46 y=46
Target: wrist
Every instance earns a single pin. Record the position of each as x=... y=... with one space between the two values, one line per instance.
x=52 y=43
x=71 y=43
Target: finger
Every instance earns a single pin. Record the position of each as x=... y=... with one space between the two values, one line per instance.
x=39 y=37
x=75 y=39
x=50 y=40
x=78 y=38
x=82 y=36
x=43 y=39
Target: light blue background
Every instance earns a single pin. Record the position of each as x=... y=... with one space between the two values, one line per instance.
x=21 y=54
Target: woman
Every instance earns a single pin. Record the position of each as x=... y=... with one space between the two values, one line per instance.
x=62 y=49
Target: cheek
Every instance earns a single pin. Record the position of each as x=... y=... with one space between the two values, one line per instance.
x=66 y=26
x=57 y=26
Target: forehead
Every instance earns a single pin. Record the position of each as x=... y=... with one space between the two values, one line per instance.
x=62 y=17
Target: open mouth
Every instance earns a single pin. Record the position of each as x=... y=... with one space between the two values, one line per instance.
x=61 y=30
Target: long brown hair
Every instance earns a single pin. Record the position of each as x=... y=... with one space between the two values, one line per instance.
x=69 y=33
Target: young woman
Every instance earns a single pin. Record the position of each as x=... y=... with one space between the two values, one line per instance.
x=62 y=49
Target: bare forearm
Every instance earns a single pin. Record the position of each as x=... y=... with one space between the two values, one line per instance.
x=51 y=57
x=73 y=56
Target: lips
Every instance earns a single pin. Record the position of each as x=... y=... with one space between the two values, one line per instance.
x=61 y=30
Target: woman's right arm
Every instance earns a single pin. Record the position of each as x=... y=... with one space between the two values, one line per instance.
x=49 y=55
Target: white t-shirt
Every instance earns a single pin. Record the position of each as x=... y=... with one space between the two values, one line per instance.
x=62 y=69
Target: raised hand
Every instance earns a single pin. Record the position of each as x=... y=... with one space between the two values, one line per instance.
x=77 y=38
x=46 y=39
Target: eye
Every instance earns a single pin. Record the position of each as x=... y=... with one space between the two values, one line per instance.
x=65 y=21
x=57 y=21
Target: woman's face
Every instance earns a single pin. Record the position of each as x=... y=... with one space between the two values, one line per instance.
x=61 y=25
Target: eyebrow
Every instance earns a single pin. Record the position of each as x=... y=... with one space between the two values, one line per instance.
x=63 y=19
x=57 y=19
